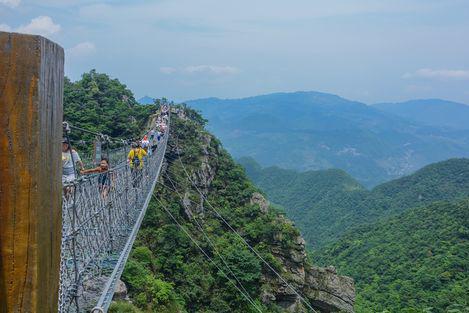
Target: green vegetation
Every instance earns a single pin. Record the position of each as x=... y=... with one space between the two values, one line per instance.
x=166 y=272
x=123 y=307
x=319 y=202
x=104 y=105
x=415 y=262
x=407 y=250
x=325 y=204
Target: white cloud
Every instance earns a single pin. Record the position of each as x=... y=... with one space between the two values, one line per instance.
x=10 y=3
x=167 y=70
x=437 y=74
x=41 y=25
x=5 y=28
x=212 y=69
x=82 y=49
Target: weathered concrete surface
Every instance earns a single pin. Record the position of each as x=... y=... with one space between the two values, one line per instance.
x=31 y=93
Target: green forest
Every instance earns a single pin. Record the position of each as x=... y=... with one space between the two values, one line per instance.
x=166 y=271
x=415 y=262
x=326 y=203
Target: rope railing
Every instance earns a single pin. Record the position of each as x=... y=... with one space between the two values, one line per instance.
x=99 y=225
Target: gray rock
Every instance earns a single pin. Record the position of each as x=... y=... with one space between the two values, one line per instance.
x=120 y=293
x=331 y=292
x=259 y=199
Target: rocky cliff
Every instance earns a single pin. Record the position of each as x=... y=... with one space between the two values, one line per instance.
x=201 y=183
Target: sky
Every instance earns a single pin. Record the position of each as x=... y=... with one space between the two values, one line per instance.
x=365 y=50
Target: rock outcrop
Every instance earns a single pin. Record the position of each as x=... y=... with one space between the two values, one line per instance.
x=323 y=288
x=329 y=290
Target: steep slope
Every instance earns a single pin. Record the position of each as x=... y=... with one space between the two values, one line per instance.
x=415 y=262
x=319 y=202
x=167 y=273
x=325 y=204
x=311 y=131
x=431 y=112
x=447 y=180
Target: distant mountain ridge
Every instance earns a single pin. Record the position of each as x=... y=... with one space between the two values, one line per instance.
x=432 y=112
x=146 y=100
x=313 y=130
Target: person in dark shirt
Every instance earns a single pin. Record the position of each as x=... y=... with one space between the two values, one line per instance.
x=104 y=177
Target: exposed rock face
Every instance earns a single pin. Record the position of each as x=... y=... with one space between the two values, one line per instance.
x=259 y=199
x=323 y=287
x=330 y=291
x=92 y=290
x=120 y=293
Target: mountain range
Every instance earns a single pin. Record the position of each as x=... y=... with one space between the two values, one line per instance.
x=185 y=257
x=146 y=100
x=431 y=112
x=312 y=131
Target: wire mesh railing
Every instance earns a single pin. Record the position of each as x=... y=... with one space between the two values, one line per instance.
x=101 y=215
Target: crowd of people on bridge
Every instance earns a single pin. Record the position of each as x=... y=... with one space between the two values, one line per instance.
x=136 y=158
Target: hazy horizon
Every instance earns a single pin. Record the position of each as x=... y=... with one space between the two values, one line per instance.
x=369 y=51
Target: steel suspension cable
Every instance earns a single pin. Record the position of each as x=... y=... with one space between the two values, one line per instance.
x=203 y=252
x=217 y=252
x=237 y=233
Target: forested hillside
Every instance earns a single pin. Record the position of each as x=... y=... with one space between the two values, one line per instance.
x=319 y=202
x=101 y=104
x=167 y=272
x=325 y=204
x=415 y=262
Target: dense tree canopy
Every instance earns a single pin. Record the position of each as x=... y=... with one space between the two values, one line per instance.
x=325 y=204
x=415 y=262
x=103 y=105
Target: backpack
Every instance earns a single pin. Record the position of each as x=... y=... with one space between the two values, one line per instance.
x=135 y=160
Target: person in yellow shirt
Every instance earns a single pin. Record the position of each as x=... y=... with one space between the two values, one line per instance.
x=135 y=158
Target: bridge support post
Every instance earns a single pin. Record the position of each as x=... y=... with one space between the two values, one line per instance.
x=31 y=93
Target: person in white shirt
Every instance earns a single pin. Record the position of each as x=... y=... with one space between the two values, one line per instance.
x=68 y=168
